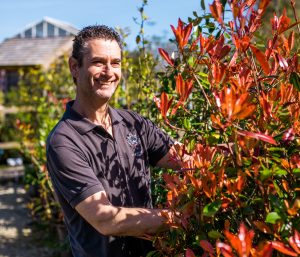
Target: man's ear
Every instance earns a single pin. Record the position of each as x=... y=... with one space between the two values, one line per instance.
x=73 y=66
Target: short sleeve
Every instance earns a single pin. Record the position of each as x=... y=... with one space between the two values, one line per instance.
x=71 y=175
x=158 y=142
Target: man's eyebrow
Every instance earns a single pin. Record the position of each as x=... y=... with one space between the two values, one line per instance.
x=100 y=58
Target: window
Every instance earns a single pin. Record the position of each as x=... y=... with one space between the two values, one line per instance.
x=12 y=79
x=28 y=33
x=39 y=30
x=61 y=32
x=50 y=30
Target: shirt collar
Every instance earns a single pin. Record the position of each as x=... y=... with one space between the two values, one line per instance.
x=84 y=125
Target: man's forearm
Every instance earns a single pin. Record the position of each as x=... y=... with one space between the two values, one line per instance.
x=119 y=221
x=132 y=222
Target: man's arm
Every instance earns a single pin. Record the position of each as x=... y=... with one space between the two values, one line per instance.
x=119 y=221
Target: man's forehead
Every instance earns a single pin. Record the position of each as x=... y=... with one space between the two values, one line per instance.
x=97 y=43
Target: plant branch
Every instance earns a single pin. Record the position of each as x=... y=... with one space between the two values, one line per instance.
x=202 y=89
x=293 y=4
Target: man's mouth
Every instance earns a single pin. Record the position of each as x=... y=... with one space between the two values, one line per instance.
x=102 y=82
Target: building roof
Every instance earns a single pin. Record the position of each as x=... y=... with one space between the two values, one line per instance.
x=47 y=27
x=33 y=51
x=39 y=44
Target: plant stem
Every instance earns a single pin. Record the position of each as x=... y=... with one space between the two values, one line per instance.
x=202 y=89
x=293 y=3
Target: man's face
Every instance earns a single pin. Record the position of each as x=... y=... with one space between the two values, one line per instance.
x=100 y=73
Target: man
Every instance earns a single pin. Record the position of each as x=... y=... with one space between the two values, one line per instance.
x=98 y=158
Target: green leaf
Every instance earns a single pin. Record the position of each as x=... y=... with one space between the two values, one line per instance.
x=280 y=172
x=202 y=74
x=295 y=80
x=296 y=172
x=272 y=217
x=191 y=61
x=211 y=209
x=265 y=173
x=191 y=145
x=187 y=124
x=214 y=234
x=153 y=254
x=227 y=35
x=202 y=4
x=138 y=39
x=278 y=190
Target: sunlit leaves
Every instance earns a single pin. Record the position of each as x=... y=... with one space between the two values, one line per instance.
x=182 y=33
x=281 y=247
x=258 y=135
x=163 y=103
x=261 y=58
x=216 y=9
x=166 y=56
x=236 y=106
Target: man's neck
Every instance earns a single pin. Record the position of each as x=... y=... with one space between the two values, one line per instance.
x=98 y=114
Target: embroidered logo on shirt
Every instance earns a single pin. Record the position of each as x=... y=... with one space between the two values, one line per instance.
x=134 y=141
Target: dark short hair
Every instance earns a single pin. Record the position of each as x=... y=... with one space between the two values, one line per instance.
x=93 y=32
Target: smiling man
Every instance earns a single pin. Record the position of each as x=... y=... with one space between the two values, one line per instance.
x=99 y=157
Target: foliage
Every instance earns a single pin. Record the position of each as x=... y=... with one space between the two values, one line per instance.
x=42 y=95
x=139 y=69
x=234 y=101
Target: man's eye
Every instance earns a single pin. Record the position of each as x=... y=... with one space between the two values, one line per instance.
x=116 y=64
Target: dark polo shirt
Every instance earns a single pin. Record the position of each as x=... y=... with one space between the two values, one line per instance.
x=82 y=159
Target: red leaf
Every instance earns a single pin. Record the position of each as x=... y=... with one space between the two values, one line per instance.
x=282 y=62
x=281 y=247
x=163 y=104
x=263 y=5
x=207 y=246
x=187 y=33
x=182 y=33
x=261 y=58
x=179 y=84
x=291 y=40
x=233 y=59
x=258 y=136
x=294 y=245
x=297 y=238
x=294 y=241
x=266 y=251
x=245 y=238
x=189 y=253
x=225 y=249
x=225 y=50
x=166 y=56
x=288 y=135
x=234 y=241
x=216 y=9
x=283 y=23
x=262 y=227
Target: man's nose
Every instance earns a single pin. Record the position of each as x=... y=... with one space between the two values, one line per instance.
x=107 y=70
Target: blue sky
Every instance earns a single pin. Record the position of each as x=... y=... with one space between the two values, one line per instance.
x=16 y=14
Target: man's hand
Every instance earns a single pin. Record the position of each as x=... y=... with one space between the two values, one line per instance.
x=176 y=158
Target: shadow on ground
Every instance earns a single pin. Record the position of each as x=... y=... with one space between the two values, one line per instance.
x=19 y=236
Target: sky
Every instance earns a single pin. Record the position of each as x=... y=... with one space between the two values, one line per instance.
x=16 y=14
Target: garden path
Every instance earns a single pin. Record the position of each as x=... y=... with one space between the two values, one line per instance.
x=17 y=238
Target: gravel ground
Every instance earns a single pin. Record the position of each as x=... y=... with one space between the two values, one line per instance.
x=17 y=237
